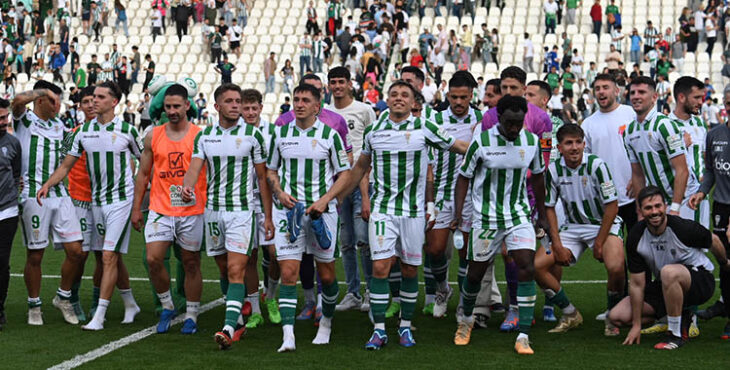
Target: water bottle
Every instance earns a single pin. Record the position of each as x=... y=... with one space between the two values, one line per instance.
x=544 y=240
x=458 y=240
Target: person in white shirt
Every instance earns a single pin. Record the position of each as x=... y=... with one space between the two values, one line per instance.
x=603 y=137
x=700 y=24
x=429 y=91
x=529 y=54
x=556 y=103
x=235 y=33
x=437 y=62
x=664 y=90
x=577 y=63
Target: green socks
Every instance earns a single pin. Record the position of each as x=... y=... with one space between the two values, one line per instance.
x=288 y=303
x=408 y=297
x=469 y=292
x=526 y=296
x=330 y=293
x=234 y=302
x=378 y=299
x=394 y=280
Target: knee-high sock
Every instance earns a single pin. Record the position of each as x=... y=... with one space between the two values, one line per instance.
x=378 y=299
x=394 y=281
x=469 y=292
x=223 y=282
x=526 y=296
x=74 y=292
x=330 y=293
x=510 y=272
x=439 y=268
x=408 y=297
x=287 y=303
x=429 y=282
x=612 y=299
x=234 y=302
x=265 y=267
x=461 y=276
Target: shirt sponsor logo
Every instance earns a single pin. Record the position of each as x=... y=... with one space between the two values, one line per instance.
x=175 y=159
x=722 y=166
x=674 y=142
x=5 y=151
x=495 y=154
x=88 y=136
x=381 y=136
x=289 y=143
x=608 y=189
x=212 y=140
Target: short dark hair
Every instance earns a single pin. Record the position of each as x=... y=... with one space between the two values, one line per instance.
x=86 y=91
x=4 y=104
x=415 y=70
x=496 y=84
x=544 y=87
x=223 y=88
x=308 y=88
x=251 y=96
x=643 y=80
x=113 y=88
x=684 y=85
x=43 y=84
x=605 y=77
x=513 y=103
x=309 y=76
x=177 y=90
x=463 y=79
x=403 y=83
x=569 y=129
x=515 y=72
x=339 y=72
x=649 y=192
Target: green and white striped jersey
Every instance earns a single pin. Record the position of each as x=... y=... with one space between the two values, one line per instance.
x=307 y=160
x=230 y=155
x=446 y=164
x=652 y=144
x=109 y=148
x=42 y=152
x=399 y=155
x=696 y=128
x=498 y=169
x=557 y=124
x=267 y=131
x=584 y=190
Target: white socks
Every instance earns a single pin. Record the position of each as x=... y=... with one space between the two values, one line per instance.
x=97 y=323
x=130 y=306
x=675 y=325
x=253 y=299
x=166 y=300
x=324 y=331
x=192 y=309
x=289 y=343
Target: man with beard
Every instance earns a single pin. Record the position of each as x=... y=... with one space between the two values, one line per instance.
x=671 y=249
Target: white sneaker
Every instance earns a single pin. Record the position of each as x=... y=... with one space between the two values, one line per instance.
x=35 y=316
x=602 y=316
x=349 y=302
x=365 y=305
x=66 y=309
x=442 y=302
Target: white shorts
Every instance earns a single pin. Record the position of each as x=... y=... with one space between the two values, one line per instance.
x=306 y=242
x=86 y=222
x=577 y=238
x=701 y=214
x=187 y=231
x=446 y=213
x=484 y=244
x=112 y=226
x=56 y=219
x=261 y=232
x=399 y=236
x=229 y=231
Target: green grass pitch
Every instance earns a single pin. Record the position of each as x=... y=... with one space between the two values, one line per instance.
x=586 y=347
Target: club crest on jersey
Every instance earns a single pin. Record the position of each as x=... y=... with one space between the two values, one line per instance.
x=36 y=233
x=522 y=154
x=381 y=239
x=5 y=151
x=238 y=142
x=408 y=137
x=114 y=138
x=584 y=180
x=314 y=144
x=214 y=238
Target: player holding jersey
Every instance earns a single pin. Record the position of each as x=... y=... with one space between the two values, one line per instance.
x=166 y=156
x=110 y=144
x=231 y=151
x=656 y=151
x=397 y=146
x=306 y=155
x=41 y=138
x=583 y=184
x=458 y=121
x=251 y=107
x=688 y=93
x=497 y=163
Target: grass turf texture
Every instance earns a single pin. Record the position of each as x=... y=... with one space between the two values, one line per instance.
x=40 y=347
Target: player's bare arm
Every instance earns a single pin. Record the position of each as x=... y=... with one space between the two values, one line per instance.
x=636 y=294
x=365 y=196
x=58 y=175
x=272 y=177
x=638 y=181
x=357 y=173
x=562 y=254
x=191 y=177
x=17 y=106
x=265 y=193
x=679 y=163
x=141 y=183
x=538 y=185
x=460 y=147
x=609 y=214
x=320 y=206
x=462 y=186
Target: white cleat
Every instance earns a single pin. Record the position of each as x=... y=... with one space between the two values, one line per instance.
x=365 y=305
x=35 y=316
x=66 y=309
x=324 y=331
x=442 y=302
x=602 y=316
x=130 y=313
x=93 y=326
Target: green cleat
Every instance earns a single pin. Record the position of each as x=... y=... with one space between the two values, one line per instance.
x=393 y=309
x=428 y=309
x=254 y=321
x=79 y=311
x=273 y=307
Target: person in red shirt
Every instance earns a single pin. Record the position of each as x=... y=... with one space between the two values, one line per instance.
x=597 y=17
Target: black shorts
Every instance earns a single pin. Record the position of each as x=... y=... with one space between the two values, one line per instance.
x=568 y=93
x=627 y=212
x=85 y=15
x=235 y=44
x=721 y=217
x=700 y=290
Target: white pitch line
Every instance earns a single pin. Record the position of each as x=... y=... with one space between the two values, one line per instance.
x=117 y=344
